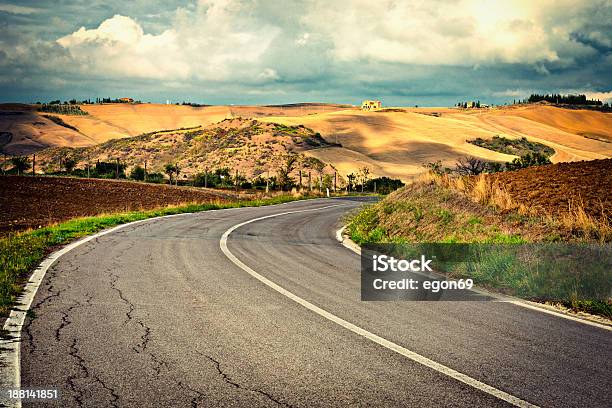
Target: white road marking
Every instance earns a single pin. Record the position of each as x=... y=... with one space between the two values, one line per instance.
x=349 y=244
x=10 y=357
x=358 y=330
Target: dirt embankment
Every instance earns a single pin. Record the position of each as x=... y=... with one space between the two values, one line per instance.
x=30 y=202
x=558 y=187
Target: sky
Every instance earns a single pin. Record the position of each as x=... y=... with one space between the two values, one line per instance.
x=425 y=52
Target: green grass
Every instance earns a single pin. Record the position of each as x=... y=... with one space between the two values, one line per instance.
x=429 y=213
x=21 y=253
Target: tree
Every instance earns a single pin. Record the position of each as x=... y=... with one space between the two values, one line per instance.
x=470 y=166
x=177 y=171
x=351 y=181
x=528 y=160
x=284 y=179
x=169 y=169
x=364 y=173
x=69 y=164
x=20 y=163
x=384 y=185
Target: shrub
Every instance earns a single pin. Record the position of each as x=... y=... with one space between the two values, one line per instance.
x=137 y=173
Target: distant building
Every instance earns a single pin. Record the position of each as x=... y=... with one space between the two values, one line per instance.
x=370 y=105
x=126 y=100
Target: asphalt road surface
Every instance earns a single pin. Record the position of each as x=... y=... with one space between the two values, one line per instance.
x=156 y=315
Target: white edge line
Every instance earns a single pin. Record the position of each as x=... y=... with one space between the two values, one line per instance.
x=350 y=244
x=10 y=350
x=360 y=331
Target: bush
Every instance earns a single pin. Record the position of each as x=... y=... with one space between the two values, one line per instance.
x=528 y=160
x=108 y=170
x=137 y=173
x=156 y=178
x=384 y=185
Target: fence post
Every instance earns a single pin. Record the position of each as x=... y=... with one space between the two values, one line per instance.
x=335 y=181
x=309 y=182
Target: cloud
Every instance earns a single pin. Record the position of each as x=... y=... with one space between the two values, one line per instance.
x=303 y=39
x=418 y=51
x=602 y=96
x=269 y=74
x=439 y=32
x=215 y=41
x=14 y=9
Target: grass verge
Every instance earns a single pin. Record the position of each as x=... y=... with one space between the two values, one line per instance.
x=440 y=210
x=21 y=253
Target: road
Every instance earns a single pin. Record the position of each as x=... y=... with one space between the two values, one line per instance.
x=156 y=315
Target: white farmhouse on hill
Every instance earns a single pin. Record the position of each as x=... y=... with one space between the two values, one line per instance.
x=370 y=105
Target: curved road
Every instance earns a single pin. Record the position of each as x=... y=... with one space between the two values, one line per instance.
x=156 y=315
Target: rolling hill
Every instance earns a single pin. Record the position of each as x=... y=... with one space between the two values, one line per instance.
x=393 y=142
x=397 y=142
x=24 y=130
x=247 y=146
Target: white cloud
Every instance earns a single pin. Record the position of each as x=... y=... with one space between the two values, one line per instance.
x=513 y=93
x=602 y=96
x=440 y=32
x=213 y=42
x=269 y=74
x=303 y=39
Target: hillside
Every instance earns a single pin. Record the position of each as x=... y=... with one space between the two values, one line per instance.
x=248 y=146
x=563 y=205
x=397 y=142
x=24 y=130
x=393 y=142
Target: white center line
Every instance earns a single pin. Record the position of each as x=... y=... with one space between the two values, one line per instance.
x=358 y=330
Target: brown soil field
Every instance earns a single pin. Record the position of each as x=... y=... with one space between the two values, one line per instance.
x=555 y=188
x=32 y=202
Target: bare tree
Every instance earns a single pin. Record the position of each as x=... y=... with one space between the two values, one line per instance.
x=177 y=171
x=365 y=174
x=470 y=166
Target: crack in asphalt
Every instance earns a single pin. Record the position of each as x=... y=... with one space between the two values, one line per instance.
x=145 y=338
x=113 y=285
x=74 y=352
x=229 y=381
x=159 y=364
x=71 y=380
x=66 y=314
x=199 y=395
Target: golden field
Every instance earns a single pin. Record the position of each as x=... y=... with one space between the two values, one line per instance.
x=395 y=142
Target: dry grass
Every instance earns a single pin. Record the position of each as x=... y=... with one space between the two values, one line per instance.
x=485 y=191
